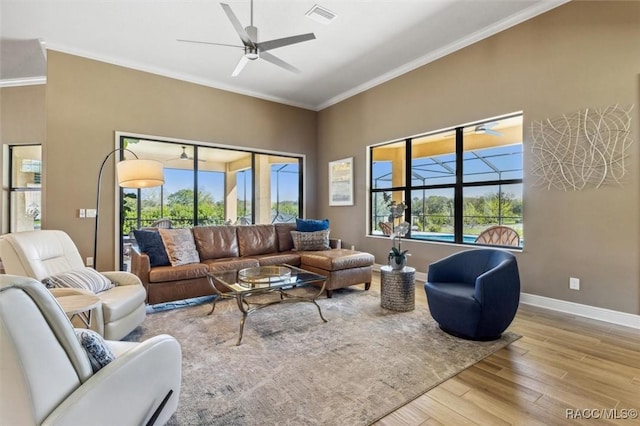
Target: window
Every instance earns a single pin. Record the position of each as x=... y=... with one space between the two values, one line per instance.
x=207 y=185
x=456 y=183
x=25 y=194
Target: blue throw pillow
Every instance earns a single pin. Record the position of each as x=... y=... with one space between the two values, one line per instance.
x=151 y=243
x=311 y=225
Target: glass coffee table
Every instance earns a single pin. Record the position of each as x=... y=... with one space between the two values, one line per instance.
x=279 y=279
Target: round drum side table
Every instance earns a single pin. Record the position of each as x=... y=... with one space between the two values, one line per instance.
x=398 y=288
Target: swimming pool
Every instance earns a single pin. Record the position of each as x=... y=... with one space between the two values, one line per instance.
x=448 y=238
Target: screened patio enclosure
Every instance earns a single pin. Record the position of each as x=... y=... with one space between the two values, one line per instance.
x=456 y=183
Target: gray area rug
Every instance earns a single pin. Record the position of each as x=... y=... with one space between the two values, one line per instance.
x=294 y=369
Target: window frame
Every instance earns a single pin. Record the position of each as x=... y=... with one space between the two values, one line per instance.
x=20 y=189
x=121 y=137
x=458 y=185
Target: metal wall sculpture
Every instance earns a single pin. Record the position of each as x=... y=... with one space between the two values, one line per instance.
x=585 y=149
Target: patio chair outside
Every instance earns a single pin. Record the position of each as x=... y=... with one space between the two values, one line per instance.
x=499 y=236
x=162 y=223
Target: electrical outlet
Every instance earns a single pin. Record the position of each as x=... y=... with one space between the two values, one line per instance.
x=574 y=283
x=353 y=247
x=81 y=213
x=89 y=261
x=91 y=213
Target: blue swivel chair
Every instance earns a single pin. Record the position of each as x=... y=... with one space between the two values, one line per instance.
x=474 y=294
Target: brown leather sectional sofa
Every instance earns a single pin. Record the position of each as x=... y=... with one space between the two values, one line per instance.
x=236 y=247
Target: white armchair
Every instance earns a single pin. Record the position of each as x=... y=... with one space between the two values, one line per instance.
x=46 y=377
x=41 y=254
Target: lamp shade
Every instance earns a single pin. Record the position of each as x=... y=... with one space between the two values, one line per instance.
x=140 y=173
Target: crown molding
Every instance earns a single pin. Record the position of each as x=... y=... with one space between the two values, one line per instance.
x=30 y=81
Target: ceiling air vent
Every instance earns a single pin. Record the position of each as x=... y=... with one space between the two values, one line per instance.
x=320 y=14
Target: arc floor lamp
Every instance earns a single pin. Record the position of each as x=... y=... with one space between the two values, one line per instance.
x=133 y=173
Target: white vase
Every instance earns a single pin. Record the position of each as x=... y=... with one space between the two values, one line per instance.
x=397 y=266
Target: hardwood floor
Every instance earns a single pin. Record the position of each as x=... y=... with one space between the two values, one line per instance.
x=564 y=370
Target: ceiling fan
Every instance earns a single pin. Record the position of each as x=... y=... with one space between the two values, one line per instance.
x=253 y=49
x=487 y=128
x=185 y=156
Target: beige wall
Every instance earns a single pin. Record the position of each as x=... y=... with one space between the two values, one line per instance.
x=87 y=101
x=583 y=54
x=22 y=121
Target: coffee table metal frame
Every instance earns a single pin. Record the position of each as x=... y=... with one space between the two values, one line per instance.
x=228 y=280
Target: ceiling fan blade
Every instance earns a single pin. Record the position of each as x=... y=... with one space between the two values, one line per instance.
x=286 y=41
x=240 y=66
x=279 y=62
x=209 y=42
x=237 y=26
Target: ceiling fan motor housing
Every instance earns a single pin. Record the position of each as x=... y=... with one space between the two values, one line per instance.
x=251 y=52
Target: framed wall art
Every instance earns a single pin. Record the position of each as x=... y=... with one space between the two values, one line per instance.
x=341 y=182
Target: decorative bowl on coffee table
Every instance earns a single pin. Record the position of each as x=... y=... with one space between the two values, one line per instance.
x=260 y=276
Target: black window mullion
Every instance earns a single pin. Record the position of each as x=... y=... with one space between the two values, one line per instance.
x=254 y=180
x=372 y=206
x=11 y=189
x=195 y=186
x=407 y=184
x=457 y=198
x=300 y=186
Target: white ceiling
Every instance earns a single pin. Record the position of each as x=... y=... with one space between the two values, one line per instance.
x=370 y=41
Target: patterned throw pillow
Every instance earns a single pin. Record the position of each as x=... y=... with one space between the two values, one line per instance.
x=96 y=348
x=310 y=241
x=86 y=278
x=151 y=243
x=180 y=246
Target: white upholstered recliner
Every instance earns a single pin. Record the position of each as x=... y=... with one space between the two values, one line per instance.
x=46 y=377
x=41 y=254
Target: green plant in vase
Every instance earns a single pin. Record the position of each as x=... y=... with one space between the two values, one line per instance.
x=398 y=257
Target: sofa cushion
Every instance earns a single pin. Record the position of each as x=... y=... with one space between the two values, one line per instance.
x=177 y=273
x=214 y=242
x=85 y=278
x=311 y=225
x=180 y=246
x=230 y=264
x=290 y=258
x=151 y=243
x=283 y=232
x=336 y=260
x=256 y=239
x=318 y=240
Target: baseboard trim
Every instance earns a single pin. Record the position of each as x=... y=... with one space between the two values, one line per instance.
x=420 y=276
x=587 y=311
x=592 y=312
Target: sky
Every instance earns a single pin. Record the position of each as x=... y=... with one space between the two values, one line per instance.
x=213 y=182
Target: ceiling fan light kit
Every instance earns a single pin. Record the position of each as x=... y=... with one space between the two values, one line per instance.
x=253 y=49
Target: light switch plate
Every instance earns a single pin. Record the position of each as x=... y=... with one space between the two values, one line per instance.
x=574 y=283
